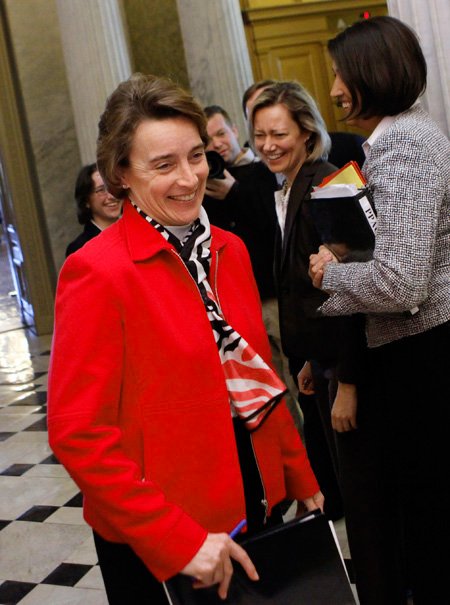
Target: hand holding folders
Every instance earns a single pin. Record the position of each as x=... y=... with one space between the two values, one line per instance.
x=298 y=563
x=212 y=565
x=342 y=210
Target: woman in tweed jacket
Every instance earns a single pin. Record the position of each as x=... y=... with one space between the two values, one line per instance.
x=393 y=466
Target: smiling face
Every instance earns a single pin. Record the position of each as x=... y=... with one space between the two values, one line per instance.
x=223 y=138
x=167 y=171
x=342 y=98
x=279 y=141
x=105 y=209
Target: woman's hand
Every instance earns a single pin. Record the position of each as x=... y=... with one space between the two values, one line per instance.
x=305 y=380
x=343 y=412
x=212 y=563
x=312 y=503
x=317 y=264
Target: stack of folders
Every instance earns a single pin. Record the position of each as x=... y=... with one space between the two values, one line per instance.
x=342 y=210
x=343 y=213
x=299 y=563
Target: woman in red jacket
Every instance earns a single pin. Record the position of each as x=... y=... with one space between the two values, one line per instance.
x=162 y=405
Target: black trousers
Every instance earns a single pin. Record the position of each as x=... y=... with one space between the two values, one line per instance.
x=394 y=473
x=127 y=580
x=320 y=441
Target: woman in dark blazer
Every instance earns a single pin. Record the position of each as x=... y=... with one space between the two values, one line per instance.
x=290 y=136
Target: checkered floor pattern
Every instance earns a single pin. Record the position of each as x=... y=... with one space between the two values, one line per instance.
x=47 y=552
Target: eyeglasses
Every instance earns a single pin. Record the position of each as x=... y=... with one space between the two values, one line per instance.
x=100 y=190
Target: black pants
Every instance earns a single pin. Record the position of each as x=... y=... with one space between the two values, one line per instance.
x=319 y=435
x=394 y=473
x=126 y=578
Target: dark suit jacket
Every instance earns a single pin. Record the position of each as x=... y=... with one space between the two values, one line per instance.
x=346 y=146
x=90 y=230
x=249 y=211
x=304 y=334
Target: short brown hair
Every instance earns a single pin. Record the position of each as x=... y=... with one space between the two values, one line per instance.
x=304 y=112
x=141 y=97
x=382 y=65
x=212 y=110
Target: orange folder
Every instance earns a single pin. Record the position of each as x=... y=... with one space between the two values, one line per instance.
x=347 y=175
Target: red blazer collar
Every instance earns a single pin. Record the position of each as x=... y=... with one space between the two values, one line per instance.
x=144 y=241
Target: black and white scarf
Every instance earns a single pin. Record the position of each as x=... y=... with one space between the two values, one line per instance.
x=253 y=387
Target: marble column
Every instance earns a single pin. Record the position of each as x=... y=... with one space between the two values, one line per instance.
x=216 y=53
x=96 y=58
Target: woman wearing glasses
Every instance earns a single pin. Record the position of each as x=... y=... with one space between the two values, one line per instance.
x=96 y=208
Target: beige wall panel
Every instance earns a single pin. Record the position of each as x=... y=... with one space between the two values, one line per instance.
x=304 y=63
x=290 y=29
x=155 y=39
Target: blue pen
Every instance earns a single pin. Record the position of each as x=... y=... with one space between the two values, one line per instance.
x=239 y=527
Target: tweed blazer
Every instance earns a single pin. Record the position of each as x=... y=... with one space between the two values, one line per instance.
x=408 y=171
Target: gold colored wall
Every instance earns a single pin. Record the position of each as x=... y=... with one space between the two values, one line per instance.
x=287 y=41
x=154 y=33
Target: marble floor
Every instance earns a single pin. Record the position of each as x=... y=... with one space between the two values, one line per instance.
x=47 y=550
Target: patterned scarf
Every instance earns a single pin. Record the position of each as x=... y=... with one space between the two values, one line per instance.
x=253 y=387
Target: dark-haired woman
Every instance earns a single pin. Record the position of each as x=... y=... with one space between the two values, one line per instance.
x=394 y=466
x=162 y=402
x=96 y=208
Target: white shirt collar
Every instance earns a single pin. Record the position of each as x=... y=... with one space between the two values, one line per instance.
x=98 y=226
x=382 y=126
x=281 y=205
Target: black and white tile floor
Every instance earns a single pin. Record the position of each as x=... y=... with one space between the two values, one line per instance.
x=47 y=550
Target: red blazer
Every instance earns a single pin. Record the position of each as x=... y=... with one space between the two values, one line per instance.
x=138 y=410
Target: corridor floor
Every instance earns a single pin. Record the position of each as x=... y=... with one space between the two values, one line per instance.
x=47 y=550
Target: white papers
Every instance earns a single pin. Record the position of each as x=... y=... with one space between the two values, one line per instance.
x=330 y=191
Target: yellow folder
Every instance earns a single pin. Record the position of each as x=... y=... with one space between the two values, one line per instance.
x=349 y=174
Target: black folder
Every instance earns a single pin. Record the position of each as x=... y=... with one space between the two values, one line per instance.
x=298 y=564
x=346 y=225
